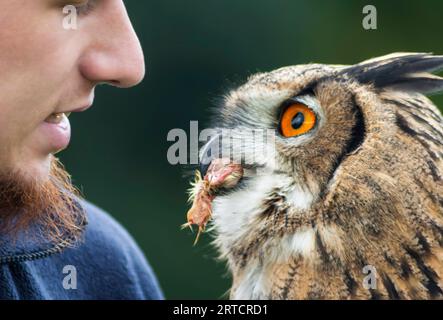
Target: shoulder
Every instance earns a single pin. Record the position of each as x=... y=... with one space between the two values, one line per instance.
x=105 y=229
x=112 y=251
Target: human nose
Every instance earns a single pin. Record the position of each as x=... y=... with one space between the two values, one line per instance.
x=114 y=55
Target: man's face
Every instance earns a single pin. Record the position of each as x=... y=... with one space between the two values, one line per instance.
x=47 y=70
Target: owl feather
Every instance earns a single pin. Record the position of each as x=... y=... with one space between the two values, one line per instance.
x=350 y=209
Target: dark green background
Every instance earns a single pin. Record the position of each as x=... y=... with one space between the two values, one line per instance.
x=195 y=50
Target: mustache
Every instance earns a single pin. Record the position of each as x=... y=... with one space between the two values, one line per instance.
x=52 y=205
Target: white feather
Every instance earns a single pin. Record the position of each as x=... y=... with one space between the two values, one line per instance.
x=254 y=285
x=233 y=213
x=300 y=198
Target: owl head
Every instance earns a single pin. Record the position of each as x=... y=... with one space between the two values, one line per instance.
x=342 y=169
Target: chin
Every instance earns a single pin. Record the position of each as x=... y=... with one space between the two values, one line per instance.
x=37 y=170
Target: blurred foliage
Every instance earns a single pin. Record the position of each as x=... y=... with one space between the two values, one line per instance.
x=195 y=50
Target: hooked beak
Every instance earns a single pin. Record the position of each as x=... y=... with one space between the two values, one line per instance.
x=210 y=151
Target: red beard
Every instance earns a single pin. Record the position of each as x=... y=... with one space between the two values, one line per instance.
x=51 y=205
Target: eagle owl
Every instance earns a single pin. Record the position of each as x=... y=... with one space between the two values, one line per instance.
x=355 y=183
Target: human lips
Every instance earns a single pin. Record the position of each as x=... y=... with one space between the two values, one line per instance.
x=56 y=132
x=56 y=129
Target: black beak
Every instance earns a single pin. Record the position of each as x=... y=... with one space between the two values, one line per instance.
x=210 y=151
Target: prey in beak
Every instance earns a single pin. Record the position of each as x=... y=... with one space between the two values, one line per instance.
x=220 y=173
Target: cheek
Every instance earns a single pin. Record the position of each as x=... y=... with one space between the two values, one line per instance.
x=37 y=57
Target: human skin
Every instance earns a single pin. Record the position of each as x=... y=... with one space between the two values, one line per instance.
x=46 y=69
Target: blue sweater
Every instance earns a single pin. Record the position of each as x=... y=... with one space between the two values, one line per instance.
x=107 y=264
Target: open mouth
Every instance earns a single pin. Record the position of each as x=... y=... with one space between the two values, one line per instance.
x=222 y=173
x=57 y=118
x=55 y=132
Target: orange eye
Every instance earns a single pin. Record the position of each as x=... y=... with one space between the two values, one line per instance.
x=297 y=119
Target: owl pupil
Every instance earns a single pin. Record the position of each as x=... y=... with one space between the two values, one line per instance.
x=298 y=120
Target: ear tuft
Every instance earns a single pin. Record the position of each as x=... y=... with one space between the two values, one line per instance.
x=402 y=71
